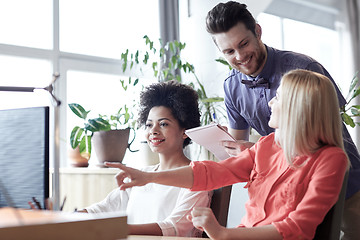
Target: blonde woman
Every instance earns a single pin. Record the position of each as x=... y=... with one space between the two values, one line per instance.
x=292 y=175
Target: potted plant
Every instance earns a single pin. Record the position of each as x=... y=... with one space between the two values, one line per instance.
x=108 y=134
x=166 y=64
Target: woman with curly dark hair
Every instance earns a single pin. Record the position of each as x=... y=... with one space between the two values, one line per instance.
x=181 y=99
x=167 y=109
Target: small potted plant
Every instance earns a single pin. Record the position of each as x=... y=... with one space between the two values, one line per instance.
x=108 y=134
x=166 y=64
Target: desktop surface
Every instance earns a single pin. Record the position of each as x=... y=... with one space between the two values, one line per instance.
x=43 y=225
x=143 y=237
x=55 y=225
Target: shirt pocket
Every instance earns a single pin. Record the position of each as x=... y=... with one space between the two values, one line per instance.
x=289 y=195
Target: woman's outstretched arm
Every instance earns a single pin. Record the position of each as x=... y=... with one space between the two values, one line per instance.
x=179 y=177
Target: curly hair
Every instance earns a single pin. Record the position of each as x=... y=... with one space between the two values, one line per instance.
x=224 y=16
x=181 y=99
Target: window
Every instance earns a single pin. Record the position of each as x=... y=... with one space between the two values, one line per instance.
x=320 y=43
x=106 y=28
x=26 y=23
x=272 y=30
x=24 y=72
x=82 y=40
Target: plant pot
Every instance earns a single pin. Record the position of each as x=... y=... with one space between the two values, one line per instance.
x=76 y=159
x=110 y=146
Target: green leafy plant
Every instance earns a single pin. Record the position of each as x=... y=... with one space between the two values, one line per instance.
x=81 y=136
x=224 y=62
x=167 y=64
x=350 y=111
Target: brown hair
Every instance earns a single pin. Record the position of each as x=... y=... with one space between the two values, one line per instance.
x=224 y=16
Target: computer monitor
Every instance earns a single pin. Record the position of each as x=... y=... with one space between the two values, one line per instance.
x=24 y=156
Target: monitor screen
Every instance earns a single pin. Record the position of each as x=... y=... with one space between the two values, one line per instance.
x=24 y=156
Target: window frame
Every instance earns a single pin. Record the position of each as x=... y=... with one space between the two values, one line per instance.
x=62 y=62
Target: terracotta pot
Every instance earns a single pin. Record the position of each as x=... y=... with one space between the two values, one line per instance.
x=110 y=146
x=76 y=159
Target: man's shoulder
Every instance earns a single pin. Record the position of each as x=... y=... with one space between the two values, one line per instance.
x=294 y=59
x=234 y=74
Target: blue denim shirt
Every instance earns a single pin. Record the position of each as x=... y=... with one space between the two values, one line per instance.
x=248 y=107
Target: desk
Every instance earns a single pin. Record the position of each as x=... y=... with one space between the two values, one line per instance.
x=43 y=225
x=142 y=237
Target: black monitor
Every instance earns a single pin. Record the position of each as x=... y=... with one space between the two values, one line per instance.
x=24 y=156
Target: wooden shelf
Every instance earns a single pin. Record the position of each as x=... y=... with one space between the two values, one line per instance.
x=85 y=186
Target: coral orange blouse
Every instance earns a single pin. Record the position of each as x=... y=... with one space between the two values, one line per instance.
x=294 y=200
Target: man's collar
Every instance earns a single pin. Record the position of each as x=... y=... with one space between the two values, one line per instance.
x=266 y=71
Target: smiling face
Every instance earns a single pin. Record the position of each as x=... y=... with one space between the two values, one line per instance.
x=275 y=105
x=242 y=49
x=163 y=132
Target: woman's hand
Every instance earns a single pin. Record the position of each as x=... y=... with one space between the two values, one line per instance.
x=137 y=177
x=204 y=219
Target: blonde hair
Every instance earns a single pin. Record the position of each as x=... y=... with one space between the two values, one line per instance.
x=310 y=116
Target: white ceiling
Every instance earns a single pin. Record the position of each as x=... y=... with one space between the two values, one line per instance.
x=319 y=12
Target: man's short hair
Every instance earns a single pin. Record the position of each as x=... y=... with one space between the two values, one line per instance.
x=224 y=16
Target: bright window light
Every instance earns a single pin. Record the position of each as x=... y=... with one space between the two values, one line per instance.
x=271 y=30
x=24 y=72
x=320 y=43
x=317 y=42
x=107 y=27
x=26 y=23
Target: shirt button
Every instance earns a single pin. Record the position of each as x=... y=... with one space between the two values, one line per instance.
x=261 y=95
